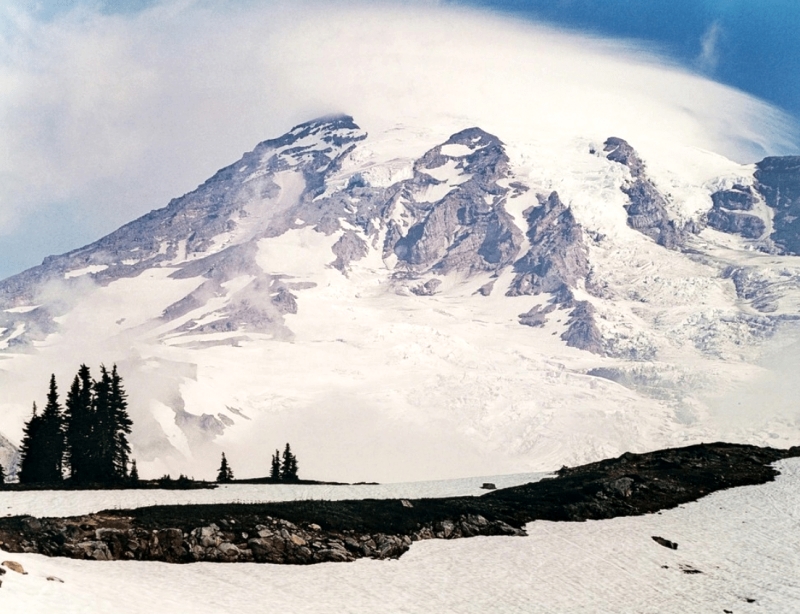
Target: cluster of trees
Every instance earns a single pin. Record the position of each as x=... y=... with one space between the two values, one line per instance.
x=282 y=469
x=86 y=440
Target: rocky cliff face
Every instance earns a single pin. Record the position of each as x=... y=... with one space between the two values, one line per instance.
x=778 y=181
x=557 y=258
x=728 y=213
x=468 y=229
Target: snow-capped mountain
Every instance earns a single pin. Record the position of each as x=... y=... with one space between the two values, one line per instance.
x=401 y=306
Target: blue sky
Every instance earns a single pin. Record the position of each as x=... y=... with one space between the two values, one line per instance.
x=753 y=45
x=67 y=182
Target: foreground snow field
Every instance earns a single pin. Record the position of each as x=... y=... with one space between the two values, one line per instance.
x=745 y=542
x=50 y=503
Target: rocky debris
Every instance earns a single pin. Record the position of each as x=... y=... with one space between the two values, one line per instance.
x=688 y=569
x=647 y=211
x=665 y=542
x=621 y=487
x=14 y=566
x=275 y=541
x=557 y=257
x=778 y=181
x=428 y=288
x=726 y=213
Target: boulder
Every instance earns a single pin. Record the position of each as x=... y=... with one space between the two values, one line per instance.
x=622 y=487
x=95 y=550
x=14 y=566
x=665 y=542
x=227 y=551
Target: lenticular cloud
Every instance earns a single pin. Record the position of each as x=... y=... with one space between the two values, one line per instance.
x=119 y=113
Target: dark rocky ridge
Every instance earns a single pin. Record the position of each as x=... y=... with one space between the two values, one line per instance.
x=304 y=532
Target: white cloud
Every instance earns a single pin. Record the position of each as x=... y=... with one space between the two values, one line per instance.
x=708 y=58
x=119 y=113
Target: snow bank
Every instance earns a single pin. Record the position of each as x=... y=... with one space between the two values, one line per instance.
x=744 y=542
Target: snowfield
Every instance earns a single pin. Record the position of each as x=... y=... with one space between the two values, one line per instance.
x=744 y=543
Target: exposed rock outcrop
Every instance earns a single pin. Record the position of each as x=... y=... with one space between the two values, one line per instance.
x=582 y=331
x=348 y=248
x=557 y=258
x=466 y=229
x=778 y=181
x=100 y=537
x=647 y=211
x=726 y=214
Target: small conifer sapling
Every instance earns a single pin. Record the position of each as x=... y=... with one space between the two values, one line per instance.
x=225 y=473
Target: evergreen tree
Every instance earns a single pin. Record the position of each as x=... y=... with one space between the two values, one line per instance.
x=52 y=434
x=79 y=432
x=275 y=468
x=118 y=401
x=102 y=466
x=32 y=467
x=134 y=476
x=225 y=474
x=43 y=443
x=2 y=475
x=289 y=465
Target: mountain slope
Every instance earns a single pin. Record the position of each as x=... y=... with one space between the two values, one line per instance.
x=477 y=308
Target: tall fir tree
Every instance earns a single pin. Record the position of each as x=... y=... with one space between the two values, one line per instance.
x=275 y=467
x=225 y=473
x=102 y=429
x=79 y=420
x=122 y=425
x=52 y=433
x=2 y=476
x=289 y=465
x=134 y=476
x=32 y=468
